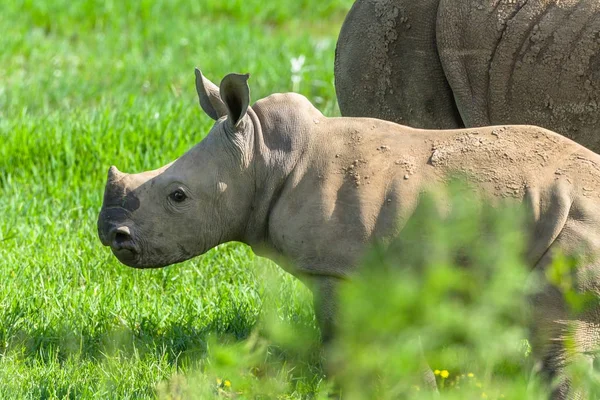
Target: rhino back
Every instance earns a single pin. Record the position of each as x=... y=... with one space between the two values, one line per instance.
x=361 y=180
x=524 y=62
x=387 y=65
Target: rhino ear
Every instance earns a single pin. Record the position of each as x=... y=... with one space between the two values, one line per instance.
x=208 y=94
x=236 y=96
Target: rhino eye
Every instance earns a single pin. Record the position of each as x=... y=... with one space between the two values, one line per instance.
x=178 y=196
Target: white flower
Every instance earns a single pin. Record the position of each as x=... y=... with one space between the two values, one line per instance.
x=297 y=64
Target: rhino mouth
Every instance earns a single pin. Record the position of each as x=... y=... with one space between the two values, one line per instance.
x=124 y=247
x=127 y=253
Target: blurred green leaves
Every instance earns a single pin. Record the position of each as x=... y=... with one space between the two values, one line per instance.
x=450 y=296
x=450 y=291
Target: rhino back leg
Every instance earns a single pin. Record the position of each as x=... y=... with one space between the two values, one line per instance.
x=387 y=65
x=524 y=62
x=562 y=331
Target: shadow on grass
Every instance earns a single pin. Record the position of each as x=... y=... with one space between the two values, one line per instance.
x=180 y=343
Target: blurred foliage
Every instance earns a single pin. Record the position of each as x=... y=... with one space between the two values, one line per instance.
x=450 y=295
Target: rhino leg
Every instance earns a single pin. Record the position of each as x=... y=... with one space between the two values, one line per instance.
x=524 y=62
x=563 y=336
x=387 y=65
x=561 y=331
x=325 y=292
x=326 y=305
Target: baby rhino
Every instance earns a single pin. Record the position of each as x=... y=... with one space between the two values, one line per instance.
x=313 y=192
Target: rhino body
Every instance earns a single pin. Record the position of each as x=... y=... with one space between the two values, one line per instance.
x=313 y=193
x=445 y=64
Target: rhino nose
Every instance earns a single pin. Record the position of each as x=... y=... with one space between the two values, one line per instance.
x=120 y=238
x=110 y=222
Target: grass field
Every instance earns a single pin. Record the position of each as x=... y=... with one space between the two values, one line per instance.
x=86 y=84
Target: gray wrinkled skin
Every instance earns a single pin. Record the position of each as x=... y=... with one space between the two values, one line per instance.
x=443 y=64
x=312 y=193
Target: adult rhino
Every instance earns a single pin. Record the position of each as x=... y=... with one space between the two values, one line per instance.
x=313 y=193
x=444 y=64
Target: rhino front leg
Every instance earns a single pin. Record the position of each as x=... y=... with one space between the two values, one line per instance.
x=325 y=292
x=387 y=65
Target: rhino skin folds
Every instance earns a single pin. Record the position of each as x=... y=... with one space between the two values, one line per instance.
x=449 y=63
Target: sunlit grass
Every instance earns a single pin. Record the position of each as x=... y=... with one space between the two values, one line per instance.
x=87 y=84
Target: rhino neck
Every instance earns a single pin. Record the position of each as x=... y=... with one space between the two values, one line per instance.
x=282 y=135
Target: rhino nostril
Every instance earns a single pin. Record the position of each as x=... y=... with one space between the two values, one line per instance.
x=121 y=238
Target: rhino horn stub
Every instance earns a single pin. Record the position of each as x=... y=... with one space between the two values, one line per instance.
x=116 y=192
x=209 y=97
x=114 y=174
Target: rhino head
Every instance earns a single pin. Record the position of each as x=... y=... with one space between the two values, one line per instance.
x=156 y=218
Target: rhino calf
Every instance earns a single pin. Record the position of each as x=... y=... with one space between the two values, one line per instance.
x=313 y=192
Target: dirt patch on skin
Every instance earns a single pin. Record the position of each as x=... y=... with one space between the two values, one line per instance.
x=505 y=161
x=353 y=173
x=387 y=65
x=408 y=164
x=383 y=34
x=589 y=182
x=355 y=138
x=361 y=170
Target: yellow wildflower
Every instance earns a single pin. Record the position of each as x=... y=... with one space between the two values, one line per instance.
x=444 y=374
x=437 y=372
x=227 y=383
x=470 y=375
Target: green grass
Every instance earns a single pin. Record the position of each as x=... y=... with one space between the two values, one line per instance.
x=88 y=84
